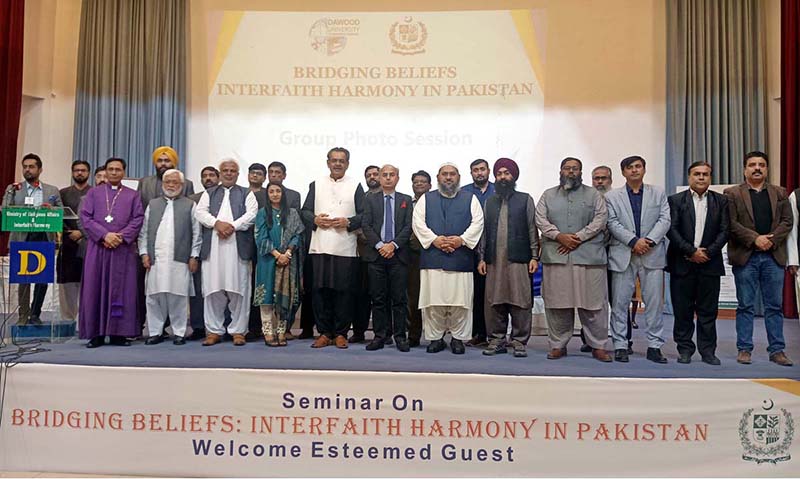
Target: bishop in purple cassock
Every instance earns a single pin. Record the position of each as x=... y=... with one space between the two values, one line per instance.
x=112 y=215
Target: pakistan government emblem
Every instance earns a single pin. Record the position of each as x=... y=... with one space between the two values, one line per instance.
x=408 y=37
x=766 y=435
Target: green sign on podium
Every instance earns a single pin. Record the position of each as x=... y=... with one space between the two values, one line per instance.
x=26 y=218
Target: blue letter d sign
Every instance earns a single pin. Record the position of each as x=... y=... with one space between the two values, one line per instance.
x=32 y=262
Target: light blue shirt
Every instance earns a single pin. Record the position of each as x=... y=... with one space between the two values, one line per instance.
x=34 y=192
x=384 y=233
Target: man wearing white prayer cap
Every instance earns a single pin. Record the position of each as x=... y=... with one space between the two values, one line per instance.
x=448 y=223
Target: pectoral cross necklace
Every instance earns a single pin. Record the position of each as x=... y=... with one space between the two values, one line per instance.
x=110 y=207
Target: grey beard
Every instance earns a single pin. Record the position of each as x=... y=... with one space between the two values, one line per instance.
x=602 y=189
x=171 y=194
x=570 y=183
x=449 y=191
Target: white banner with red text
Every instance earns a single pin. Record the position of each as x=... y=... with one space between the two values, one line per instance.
x=217 y=422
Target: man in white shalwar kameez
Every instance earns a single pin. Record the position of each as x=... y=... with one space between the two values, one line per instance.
x=227 y=213
x=448 y=223
x=169 y=245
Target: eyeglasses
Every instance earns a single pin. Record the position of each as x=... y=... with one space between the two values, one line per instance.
x=600 y=178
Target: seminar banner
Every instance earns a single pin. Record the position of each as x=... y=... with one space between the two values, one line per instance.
x=216 y=422
x=409 y=88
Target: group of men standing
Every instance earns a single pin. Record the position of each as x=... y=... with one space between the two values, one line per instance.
x=462 y=256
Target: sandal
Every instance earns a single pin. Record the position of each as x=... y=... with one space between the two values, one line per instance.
x=269 y=340
x=281 y=340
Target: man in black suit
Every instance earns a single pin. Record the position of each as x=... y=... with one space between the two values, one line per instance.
x=699 y=230
x=276 y=173
x=387 y=227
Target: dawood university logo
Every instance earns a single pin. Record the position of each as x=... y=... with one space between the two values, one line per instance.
x=766 y=434
x=408 y=37
x=329 y=35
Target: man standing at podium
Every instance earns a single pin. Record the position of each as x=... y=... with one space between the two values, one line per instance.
x=31 y=192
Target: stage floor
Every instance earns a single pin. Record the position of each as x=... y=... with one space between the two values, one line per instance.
x=299 y=355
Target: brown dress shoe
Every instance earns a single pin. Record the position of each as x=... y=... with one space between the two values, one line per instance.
x=744 y=357
x=601 y=355
x=557 y=353
x=212 y=339
x=341 y=342
x=781 y=359
x=239 y=340
x=321 y=342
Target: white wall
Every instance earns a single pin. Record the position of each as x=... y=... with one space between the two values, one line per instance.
x=618 y=72
x=49 y=85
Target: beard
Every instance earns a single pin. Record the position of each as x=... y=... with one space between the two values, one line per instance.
x=504 y=188
x=570 y=183
x=372 y=184
x=449 y=191
x=161 y=170
x=603 y=189
x=171 y=194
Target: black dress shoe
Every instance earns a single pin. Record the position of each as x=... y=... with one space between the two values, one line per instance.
x=375 y=345
x=179 y=341
x=35 y=320
x=436 y=346
x=684 y=358
x=402 y=345
x=712 y=360
x=197 y=334
x=356 y=338
x=457 y=346
x=654 y=354
x=96 y=342
x=621 y=355
x=586 y=348
x=119 y=341
x=388 y=340
x=413 y=343
x=154 y=340
x=630 y=349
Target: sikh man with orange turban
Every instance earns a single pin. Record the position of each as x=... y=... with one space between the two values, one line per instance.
x=164 y=158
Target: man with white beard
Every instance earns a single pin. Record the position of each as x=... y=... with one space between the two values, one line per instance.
x=169 y=245
x=448 y=223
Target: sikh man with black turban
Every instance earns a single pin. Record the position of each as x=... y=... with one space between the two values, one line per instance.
x=509 y=254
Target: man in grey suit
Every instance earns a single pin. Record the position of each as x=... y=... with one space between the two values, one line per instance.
x=638 y=220
x=31 y=192
x=164 y=158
